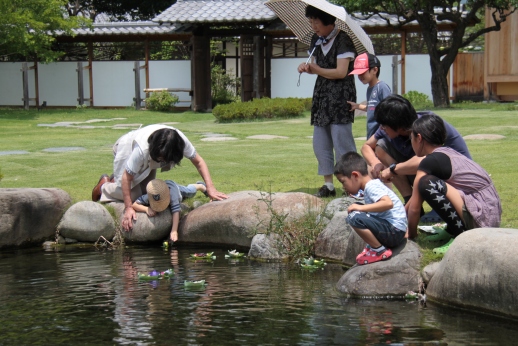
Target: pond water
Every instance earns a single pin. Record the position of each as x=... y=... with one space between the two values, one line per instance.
x=83 y=296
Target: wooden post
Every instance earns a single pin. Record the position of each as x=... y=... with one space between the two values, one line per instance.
x=247 y=67
x=80 y=87
x=147 y=65
x=258 y=67
x=200 y=72
x=90 y=71
x=403 y=57
x=268 y=67
x=36 y=84
x=25 y=79
x=137 y=98
x=394 y=75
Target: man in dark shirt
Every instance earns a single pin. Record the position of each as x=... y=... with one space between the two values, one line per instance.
x=389 y=152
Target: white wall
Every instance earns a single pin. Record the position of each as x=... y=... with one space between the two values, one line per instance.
x=170 y=74
x=58 y=83
x=285 y=77
x=11 y=84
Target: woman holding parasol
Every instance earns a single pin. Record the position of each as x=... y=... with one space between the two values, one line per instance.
x=331 y=115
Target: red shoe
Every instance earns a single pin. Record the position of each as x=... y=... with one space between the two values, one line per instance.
x=365 y=250
x=96 y=192
x=372 y=256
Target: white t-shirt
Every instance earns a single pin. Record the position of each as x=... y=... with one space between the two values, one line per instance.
x=396 y=216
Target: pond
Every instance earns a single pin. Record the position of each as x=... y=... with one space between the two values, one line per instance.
x=83 y=296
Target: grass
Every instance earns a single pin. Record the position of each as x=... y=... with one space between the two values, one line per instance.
x=279 y=165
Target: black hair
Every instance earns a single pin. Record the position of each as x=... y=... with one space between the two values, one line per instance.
x=315 y=13
x=377 y=73
x=396 y=112
x=349 y=162
x=166 y=144
x=431 y=128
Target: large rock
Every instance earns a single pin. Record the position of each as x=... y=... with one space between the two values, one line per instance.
x=86 y=221
x=30 y=216
x=234 y=221
x=391 y=278
x=267 y=248
x=338 y=241
x=145 y=229
x=478 y=272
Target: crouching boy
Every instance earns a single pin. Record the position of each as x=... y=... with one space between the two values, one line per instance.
x=381 y=222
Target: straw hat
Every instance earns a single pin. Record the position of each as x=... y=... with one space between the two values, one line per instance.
x=158 y=195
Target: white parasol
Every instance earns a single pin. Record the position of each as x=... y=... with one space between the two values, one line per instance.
x=293 y=14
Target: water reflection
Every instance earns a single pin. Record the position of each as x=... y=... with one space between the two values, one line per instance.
x=84 y=296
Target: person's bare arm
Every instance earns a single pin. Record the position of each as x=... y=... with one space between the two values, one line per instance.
x=174 y=229
x=413 y=207
x=384 y=204
x=368 y=152
x=202 y=168
x=342 y=66
x=129 y=212
x=143 y=209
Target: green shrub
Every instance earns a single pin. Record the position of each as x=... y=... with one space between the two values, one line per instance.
x=264 y=108
x=162 y=101
x=419 y=100
x=224 y=86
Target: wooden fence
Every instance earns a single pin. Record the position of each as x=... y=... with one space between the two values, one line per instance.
x=468 y=77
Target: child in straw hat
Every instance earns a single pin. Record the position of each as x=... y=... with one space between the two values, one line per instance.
x=164 y=193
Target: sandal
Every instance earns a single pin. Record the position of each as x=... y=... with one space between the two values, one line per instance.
x=204 y=192
x=366 y=249
x=441 y=234
x=442 y=249
x=372 y=256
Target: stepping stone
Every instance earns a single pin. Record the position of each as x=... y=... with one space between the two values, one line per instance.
x=13 y=152
x=484 y=136
x=218 y=139
x=63 y=149
x=267 y=137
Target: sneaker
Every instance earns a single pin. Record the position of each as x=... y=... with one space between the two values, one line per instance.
x=441 y=234
x=325 y=192
x=444 y=248
x=366 y=249
x=373 y=256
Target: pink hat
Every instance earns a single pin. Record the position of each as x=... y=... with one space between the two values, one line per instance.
x=364 y=62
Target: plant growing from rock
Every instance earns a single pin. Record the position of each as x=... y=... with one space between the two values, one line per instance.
x=295 y=238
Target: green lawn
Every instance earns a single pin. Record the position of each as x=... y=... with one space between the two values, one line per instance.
x=278 y=165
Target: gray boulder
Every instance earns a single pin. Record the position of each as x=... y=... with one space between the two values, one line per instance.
x=235 y=220
x=86 y=221
x=338 y=241
x=267 y=248
x=391 y=278
x=145 y=229
x=29 y=216
x=477 y=272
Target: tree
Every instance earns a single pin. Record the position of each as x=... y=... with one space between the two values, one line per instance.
x=28 y=27
x=427 y=13
x=118 y=10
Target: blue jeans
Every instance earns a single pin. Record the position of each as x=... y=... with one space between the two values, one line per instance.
x=188 y=191
x=388 y=235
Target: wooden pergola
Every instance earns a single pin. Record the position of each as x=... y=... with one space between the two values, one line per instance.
x=200 y=21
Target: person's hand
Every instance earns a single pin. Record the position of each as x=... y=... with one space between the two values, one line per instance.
x=150 y=212
x=354 y=105
x=302 y=68
x=127 y=220
x=215 y=195
x=377 y=169
x=385 y=176
x=173 y=236
x=353 y=207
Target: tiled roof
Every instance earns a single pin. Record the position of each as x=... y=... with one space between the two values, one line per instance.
x=131 y=28
x=216 y=11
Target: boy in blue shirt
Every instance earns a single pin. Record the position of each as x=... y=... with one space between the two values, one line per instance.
x=162 y=194
x=367 y=67
x=381 y=222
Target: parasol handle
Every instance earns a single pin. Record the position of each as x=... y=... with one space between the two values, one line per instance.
x=318 y=43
